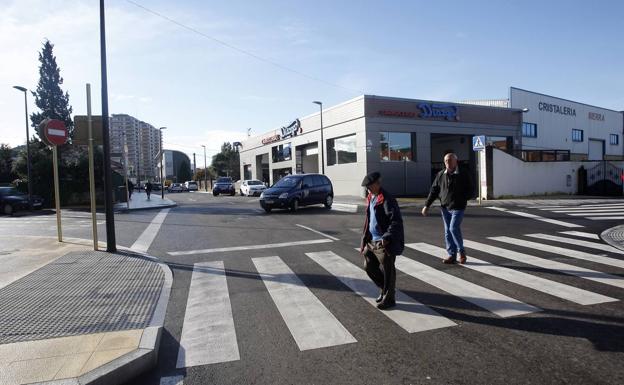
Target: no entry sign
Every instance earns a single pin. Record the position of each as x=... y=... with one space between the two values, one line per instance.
x=54 y=132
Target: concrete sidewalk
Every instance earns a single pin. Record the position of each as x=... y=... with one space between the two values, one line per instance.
x=71 y=315
x=139 y=201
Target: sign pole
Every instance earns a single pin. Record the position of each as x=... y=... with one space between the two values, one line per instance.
x=57 y=198
x=92 y=172
x=479 y=155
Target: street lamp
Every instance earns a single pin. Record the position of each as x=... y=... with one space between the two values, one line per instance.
x=162 y=159
x=205 y=170
x=24 y=90
x=322 y=151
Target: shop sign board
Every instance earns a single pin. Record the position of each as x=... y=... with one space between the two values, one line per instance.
x=292 y=129
x=271 y=139
x=427 y=111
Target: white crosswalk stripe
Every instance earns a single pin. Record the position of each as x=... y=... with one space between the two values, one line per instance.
x=618 y=218
x=208 y=334
x=499 y=304
x=581 y=234
x=310 y=323
x=553 y=288
x=595 y=214
x=537 y=217
x=549 y=264
x=588 y=210
x=566 y=252
x=409 y=314
x=578 y=242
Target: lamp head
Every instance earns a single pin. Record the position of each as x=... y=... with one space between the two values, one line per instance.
x=23 y=89
x=317 y=102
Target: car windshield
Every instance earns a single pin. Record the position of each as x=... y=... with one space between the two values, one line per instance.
x=287 y=182
x=254 y=182
x=9 y=191
x=192 y=184
x=224 y=180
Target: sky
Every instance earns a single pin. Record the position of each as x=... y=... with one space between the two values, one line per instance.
x=209 y=70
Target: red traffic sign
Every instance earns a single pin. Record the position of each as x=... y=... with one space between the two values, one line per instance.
x=55 y=132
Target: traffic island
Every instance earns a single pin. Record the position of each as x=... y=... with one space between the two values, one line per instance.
x=614 y=236
x=88 y=317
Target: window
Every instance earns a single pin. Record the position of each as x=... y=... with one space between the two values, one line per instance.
x=614 y=139
x=577 y=135
x=529 y=130
x=281 y=152
x=341 y=150
x=396 y=146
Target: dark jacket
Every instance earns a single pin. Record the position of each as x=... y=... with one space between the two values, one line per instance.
x=389 y=221
x=454 y=190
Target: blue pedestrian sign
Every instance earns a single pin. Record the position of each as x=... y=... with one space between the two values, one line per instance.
x=478 y=143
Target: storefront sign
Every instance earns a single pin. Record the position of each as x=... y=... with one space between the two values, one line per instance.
x=446 y=111
x=596 y=116
x=556 y=109
x=400 y=114
x=292 y=130
x=271 y=139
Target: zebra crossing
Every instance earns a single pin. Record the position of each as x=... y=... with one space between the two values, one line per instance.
x=209 y=332
x=594 y=211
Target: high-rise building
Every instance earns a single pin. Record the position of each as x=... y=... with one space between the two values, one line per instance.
x=144 y=143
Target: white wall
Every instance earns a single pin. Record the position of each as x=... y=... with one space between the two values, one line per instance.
x=513 y=177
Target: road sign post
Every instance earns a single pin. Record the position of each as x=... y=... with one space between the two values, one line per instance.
x=54 y=134
x=478 y=145
x=91 y=171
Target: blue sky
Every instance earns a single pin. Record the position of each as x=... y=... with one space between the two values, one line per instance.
x=206 y=93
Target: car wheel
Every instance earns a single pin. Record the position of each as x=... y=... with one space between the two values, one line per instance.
x=7 y=209
x=267 y=210
x=241 y=193
x=294 y=205
x=215 y=194
x=233 y=193
x=329 y=200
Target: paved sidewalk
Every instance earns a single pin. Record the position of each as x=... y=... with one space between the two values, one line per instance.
x=78 y=316
x=614 y=236
x=139 y=201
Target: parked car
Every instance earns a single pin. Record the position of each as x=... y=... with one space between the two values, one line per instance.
x=175 y=187
x=252 y=187
x=11 y=200
x=190 y=185
x=224 y=185
x=294 y=191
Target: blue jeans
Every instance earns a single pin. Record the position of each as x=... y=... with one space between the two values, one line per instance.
x=452 y=231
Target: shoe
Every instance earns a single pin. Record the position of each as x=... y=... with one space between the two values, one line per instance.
x=449 y=260
x=386 y=303
x=380 y=298
x=462 y=258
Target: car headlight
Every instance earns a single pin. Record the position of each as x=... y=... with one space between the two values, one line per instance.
x=262 y=195
x=283 y=196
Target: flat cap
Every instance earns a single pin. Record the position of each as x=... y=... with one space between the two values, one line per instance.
x=371 y=178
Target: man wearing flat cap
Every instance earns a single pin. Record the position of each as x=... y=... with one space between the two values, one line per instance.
x=382 y=239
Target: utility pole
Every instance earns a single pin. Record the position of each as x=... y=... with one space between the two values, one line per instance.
x=25 y=91
x=205 y=170
x=194 y=166
x=111 y=245
x=320 y=104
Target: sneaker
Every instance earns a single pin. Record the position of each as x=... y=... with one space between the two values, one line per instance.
x=380 y=298
x=386 y=304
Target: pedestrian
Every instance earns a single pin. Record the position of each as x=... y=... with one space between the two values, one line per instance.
x=382 y=239
x=454 y=187
x=130 y=189
x=148 y=189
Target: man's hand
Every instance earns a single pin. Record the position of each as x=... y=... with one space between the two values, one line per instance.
x=425 y=211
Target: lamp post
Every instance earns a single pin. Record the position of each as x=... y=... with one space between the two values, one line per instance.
x=24 y=90
x=205 y=170
x=322 y=145
x=162 y=160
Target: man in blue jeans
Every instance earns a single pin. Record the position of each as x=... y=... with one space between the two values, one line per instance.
x=454 y=188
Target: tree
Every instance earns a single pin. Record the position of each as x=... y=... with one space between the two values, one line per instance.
x=6 y=164
x=227 y=162
x=184 y=171
x=49 y=98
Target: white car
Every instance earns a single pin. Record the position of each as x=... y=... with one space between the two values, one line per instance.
x=252 y=187
x=190 y=185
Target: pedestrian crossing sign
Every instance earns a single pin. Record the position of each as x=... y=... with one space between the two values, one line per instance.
x=478 y=143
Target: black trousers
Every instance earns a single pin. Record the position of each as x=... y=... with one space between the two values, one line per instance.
x=380 y=268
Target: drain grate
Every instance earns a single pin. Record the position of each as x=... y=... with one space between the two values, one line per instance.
x=80 y=293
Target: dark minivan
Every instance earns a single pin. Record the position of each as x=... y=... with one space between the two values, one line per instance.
x=294 y=191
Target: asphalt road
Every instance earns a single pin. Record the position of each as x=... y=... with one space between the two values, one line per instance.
x=508 y=334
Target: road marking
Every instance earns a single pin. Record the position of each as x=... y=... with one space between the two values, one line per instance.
x=578 y=242
x=499 y=304
x=549 y=264
x=143 y=243
x=587 y=209
x=606 y=218
x=319 y=232
x=208 y=334
x=409 y=314
x=344 y=207
x=537 y=217
x=310 y=323
x=251 y=247
x=562 y=251
x=581 y=234
x=556 y=289
x=595 y=214
x=172 y=380
x=571 y=206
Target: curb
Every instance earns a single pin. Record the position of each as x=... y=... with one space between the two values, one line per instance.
x=125 y=210
x=608 y=237
x=145 y=357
